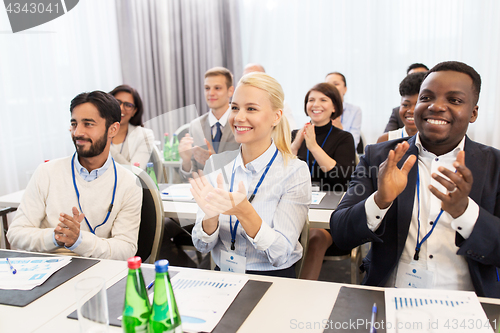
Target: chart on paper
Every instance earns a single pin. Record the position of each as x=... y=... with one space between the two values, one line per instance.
x=424 y=310
x=204 y=297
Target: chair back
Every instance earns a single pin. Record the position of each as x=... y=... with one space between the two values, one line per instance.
x=181 y=132
x=151 y=227
x=304 y=241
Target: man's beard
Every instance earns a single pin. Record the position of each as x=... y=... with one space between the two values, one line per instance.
x=95 y=148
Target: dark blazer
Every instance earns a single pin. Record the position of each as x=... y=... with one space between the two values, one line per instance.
x=481 y=250
x=395 y=121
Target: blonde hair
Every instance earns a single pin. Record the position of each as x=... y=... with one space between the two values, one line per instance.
x=281 y=133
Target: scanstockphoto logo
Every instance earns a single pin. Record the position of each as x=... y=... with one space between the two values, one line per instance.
x=24 y=15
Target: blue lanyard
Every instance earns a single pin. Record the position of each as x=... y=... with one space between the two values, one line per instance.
x=307 y=158
x=78 y=194
x=419 y=244
x=233 y=230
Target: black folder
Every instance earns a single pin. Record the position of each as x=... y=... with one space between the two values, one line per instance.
x=25 y=297
x=356 y=304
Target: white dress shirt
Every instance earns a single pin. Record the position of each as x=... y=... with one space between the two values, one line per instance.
x=282 y=203
x=212 y=120
x=438 y=253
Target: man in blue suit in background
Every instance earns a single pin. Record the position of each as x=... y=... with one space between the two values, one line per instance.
x=429 y=205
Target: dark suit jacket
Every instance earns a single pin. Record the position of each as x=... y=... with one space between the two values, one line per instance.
x=395 y=121
x=481 y=250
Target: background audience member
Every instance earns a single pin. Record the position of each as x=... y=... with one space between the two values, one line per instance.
x=408 y=89
x=350 y=120
x=259 y=235
x=330 y=155
x=133 y=143
x=395 y=121
x=209 y=133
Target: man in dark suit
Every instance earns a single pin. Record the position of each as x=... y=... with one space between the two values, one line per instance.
x=209 y=133
x=429 y=205
x=395 y=121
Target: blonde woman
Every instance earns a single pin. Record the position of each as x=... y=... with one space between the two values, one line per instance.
x=254 y=201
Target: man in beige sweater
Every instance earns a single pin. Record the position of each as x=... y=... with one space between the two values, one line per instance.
x=86 y=204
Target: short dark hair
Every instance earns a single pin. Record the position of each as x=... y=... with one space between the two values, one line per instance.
x=416 y=65
x=136 y=120
x=107 y=105
x=411 y=84
x=460 y=67
x=331 y=92
x=341 y=75
x=216 y=71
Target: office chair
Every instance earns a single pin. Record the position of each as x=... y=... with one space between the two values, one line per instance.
x=151 y=227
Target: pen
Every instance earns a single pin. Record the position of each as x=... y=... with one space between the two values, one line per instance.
x=14 y=271
x=374 y=314
x=151 y=284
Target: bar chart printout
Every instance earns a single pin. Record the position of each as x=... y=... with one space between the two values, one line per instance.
x=425 y=310
x=204 y=297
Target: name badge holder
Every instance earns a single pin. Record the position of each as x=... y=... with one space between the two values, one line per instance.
x=414 y=274
x=92 y=230
x=230 y=261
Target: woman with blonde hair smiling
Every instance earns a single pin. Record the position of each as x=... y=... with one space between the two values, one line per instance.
x=254 y=201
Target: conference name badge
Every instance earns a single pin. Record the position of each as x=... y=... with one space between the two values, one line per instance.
x=413 y=275
x=231 y=262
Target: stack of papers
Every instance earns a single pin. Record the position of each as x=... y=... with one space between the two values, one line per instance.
x=178 y=192
x=30 y=271
x=204 y=297
x=317 y=197
x=425 y=310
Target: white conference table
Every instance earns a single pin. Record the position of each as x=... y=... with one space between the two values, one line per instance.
x=286 y=303
x=186 y=211
x=49 y=313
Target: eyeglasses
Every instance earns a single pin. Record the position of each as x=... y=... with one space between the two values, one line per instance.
x=126 y=105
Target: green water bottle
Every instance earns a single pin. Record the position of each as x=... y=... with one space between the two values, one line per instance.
x=136 y=308
x=165 y=316
x=175 y=149
x=151 y=172
x=167 y=150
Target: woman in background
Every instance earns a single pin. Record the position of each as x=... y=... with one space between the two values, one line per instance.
x=133 y=143
x=330 y=156
x=254 y=227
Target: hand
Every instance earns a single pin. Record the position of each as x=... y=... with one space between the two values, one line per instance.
x=200 y=187
x=455 y=202
x=336 y=122
x=68 y=231
x=310 y=136
x=202 y=155
x=186 y=151
x=228 y=203
x=391 y=180
x=297 y=142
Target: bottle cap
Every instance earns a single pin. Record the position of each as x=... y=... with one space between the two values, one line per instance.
x=134 y=262
x=137 y=164
x=150 y=164
x=166 y=134
x=161 y=266
x=175 y=134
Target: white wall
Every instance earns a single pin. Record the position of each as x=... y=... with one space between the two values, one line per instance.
x=41 y=70
x=372 y=43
